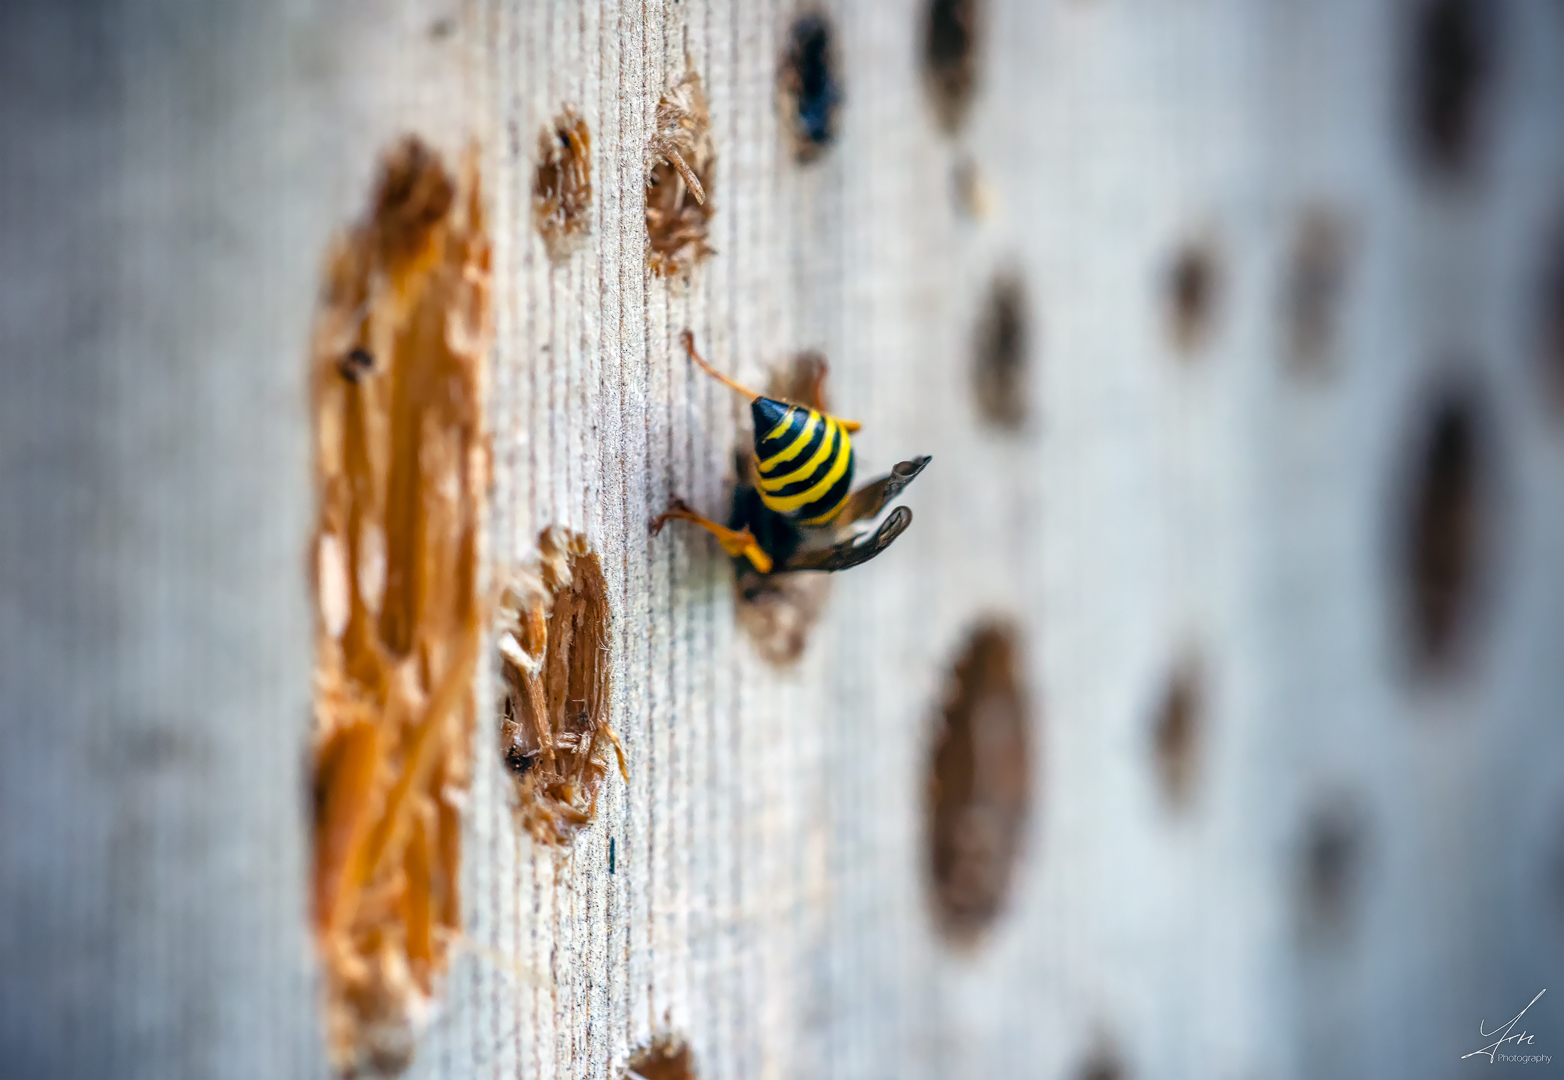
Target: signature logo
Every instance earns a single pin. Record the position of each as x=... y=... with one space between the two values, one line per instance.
x=1491 y=1051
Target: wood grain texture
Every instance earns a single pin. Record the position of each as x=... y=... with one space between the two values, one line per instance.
x=769 y=901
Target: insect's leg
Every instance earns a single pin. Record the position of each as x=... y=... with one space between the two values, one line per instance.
x=847 y=425
x=734 y=543
x=687 y=339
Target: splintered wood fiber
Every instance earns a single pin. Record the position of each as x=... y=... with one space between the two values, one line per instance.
x=555 y=646
x=401 y=471
x=681 y=171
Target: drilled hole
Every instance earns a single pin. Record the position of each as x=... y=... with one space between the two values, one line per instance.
x=1194 y=285
x=1316 y=279
x=1551 y=316
x=667 y=1057
x=562 y=188
x=1553 y=876
x=555 y=647
x=1445 y=537
x=681 y=172
x=1000 y=373
x=973 y=195
x=809 y=88
x=1452 y=64
x=950 y=58
x=398 y=348
x=1332 y=865
x=1103 y=1064
x=1178 y=732
x=979 y=789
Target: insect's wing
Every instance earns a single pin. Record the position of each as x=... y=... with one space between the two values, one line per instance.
x=870 y=499
x=846 y=555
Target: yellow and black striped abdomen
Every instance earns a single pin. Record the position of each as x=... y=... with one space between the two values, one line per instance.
x=805 y=461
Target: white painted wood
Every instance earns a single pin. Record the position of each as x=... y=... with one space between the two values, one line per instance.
x=168 y=182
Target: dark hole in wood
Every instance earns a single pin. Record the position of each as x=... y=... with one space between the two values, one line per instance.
x=950 y=58
x=1451 y=67
x=1103 y=1064
x=1316 y=279
x=1553 y=874
x=1194 y=284
x=1332 y=859
x=518 y=761
x=979 y=789
x=1445 y=530
x=1551 y=315
x=667 y=1057
x=358 y=362
x=810 y=87
x=1000 y=371
x=1177 y=734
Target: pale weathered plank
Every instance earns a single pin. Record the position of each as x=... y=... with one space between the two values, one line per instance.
x=169 y=183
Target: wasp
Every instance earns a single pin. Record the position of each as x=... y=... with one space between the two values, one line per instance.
x=794 y=507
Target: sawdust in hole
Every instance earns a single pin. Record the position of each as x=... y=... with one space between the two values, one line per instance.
x=562 y=187
x=401 y=468
x=666 y=1057
x=556 y=655
x=681 y=169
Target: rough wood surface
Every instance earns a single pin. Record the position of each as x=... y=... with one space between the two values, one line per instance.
x=1363 y=866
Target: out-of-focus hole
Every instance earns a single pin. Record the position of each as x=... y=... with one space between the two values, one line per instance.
x=973 y=194
x=1550 y=298
x=1446 y=532
x=1103 y=1064
x=667 y=1057
x=950 y=60
x=1194 y=287
x=1316 y=280
x=1178 y=732
x=562 y=187
x=980 y=783
x=1331 y=865
x=556 y=656
x=1452 y=67
x=400 y=482
x=810 y=91
x=999 y=373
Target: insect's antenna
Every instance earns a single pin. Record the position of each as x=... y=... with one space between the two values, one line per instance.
x=687 y=339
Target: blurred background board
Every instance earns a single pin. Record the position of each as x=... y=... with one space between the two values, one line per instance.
x=1236 y=333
